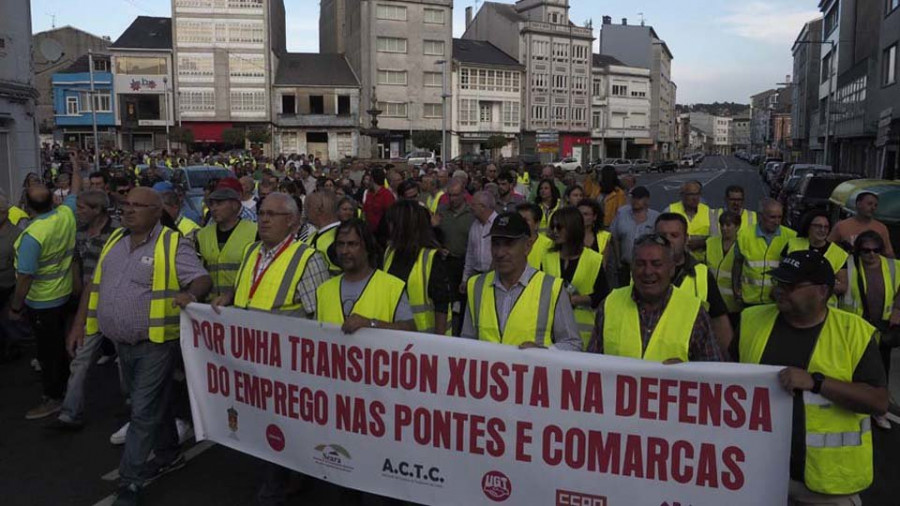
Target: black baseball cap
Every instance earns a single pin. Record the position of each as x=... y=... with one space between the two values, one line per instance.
x=806 y=265
x=640 y=192
x=510 y=226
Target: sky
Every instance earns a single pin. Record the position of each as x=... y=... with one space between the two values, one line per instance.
x=724 y=50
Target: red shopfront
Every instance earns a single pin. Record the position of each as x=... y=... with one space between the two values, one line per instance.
x=207 y=132
x=575 y=145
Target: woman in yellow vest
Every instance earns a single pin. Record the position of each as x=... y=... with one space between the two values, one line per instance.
x=540 y=243
x=813 y=235
x=348 y=209
x=413 y=255
x=580 y=268
x=363 y=295
x=720 y=260
x=548 y=199
x=573 y=195
x=596 y=238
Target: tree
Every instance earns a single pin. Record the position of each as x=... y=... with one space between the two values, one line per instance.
x=429 y=140
x=495 y=143
x=234 y=137
x=181 y=135
x=258 y=136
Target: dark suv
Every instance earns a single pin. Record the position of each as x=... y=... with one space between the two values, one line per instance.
x=812 y=193
x=531 y=163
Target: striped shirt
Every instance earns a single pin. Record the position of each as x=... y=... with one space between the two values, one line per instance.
x=87 y=248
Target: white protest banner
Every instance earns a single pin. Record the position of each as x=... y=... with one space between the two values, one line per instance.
x=438 y=420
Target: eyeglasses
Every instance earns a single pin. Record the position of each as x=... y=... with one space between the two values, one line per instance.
x=271 y=214
x=652 y=239
x=137 y=205
x=863 y=251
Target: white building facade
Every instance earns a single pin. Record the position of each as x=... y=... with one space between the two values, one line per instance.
x=620 y=110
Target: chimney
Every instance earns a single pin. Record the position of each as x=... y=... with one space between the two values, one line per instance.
x=624 y=21
x=468 y=17
x=607 y=20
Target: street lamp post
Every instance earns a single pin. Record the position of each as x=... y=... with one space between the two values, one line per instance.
x=94 y=103
x=444 y=96
x=166 y=91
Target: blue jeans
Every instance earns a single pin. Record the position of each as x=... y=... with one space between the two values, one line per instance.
x=147 y=373
x=85 y=355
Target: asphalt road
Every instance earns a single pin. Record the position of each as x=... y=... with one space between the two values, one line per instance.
x=39 y=467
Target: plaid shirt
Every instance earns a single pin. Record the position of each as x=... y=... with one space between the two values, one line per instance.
x=703 y=346
x=315 y=274
x=87 y=248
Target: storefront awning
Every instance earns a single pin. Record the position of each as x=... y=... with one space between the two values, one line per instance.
x=207 y=132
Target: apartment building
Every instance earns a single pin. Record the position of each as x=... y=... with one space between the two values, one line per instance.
x=75 y=111
x=620 y=110
x=718 y=130
x=487 y=98
x=887 y=103
x=640 y=46
x=557 y=57
x=396 y=49
x=226 y=53
x=740 y=127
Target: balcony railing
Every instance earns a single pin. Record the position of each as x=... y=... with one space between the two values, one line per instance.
x=318 y=120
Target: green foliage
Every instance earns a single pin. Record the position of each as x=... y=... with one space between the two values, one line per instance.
x=429 y=140
x=234 y=137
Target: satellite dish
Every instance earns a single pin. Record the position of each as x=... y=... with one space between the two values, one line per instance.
x=51 y=50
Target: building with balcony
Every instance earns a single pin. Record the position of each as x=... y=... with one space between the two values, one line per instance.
x=75 y=109
x=763 y=108
x=807 y=51
x=620 y=110
x=316 y=106
x=19 y=152
x=395 y=50
x=557 y=58
x=640 y=46
x=142 y=77
x=225 y=54
x=486 y=91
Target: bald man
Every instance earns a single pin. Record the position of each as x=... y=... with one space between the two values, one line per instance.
x=478 y=250
x=698 y=215
x=321 y=211
x=756 y=252
x=248 y=198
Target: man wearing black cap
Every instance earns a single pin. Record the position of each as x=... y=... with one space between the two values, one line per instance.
x=834 y=371
x=515 y=304
x=631 y=221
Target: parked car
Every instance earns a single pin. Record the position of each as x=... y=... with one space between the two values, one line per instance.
x=569 y=164
x=531 y=163
x=640 y=165
x=471 y=160
x=754 y=159
x=664 y=166
x=812 y=193
x=621 y=165
x=769 y=170
x=687 y=161
x=419 y=158
x=842 y=203
x=193 y=179
x=791 y=173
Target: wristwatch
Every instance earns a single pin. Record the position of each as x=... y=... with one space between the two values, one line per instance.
x=818 y=378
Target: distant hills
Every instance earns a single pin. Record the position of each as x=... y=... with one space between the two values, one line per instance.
x=727 y=109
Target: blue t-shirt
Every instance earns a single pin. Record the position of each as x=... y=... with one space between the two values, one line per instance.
x=29 y=253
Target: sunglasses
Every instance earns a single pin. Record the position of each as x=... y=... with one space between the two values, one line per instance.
x=652 y=238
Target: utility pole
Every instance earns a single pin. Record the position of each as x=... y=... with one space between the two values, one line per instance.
x=94 y=103
x=166 y=91
x=444 y=96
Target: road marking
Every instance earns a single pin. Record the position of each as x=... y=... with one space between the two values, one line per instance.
x=725 y=161
x=193 y=452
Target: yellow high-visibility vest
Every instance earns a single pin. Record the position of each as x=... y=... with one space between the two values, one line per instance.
x=671 y=337
x=16 y=215
x=531 y=318
x=720 y=263
x=223 y=264
x=759 y=258
x=852 y=300
x=541 y=246
x=546 y=214
x=56 y=235
x=186 y=225
x=417 y=288
x=589 y=266
x=165 y=320
x=748 y=220
x=433 y=201
x=278 y=286
x=835 y=254
x=378 y=301
x=602 y=239
x=321 y=241
x=698 y=284
x=838 y=441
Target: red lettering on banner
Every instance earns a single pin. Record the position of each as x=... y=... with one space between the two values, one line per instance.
x=735 y=417
x=657 y=458
x=461 y=432
x=576 y=398
x=456 y=387
x=286 y=399
x=688 y=399
x=761 y=411
x=523 y=439
x=666 y=397
x=519 y=371
x=633 y=464
x=496 y=446
x=647 y=395
x=733 y=479
x=213 y=335
x=552 y=456
x=707 y=475
x=682 y=450
x=354 y=415
x=539 y=395
x=475 y=433
x=256 y=346
x=604 y=457
x=710 y=406
x=575 y=440
x=499 y=388
x=217 y=381
x=626 y=396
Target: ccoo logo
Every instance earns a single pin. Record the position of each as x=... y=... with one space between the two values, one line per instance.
x=496 y=486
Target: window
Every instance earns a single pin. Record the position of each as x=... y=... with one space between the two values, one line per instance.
x=244 y=4
x=619 y=90
x=393 y=109
x=288 y=104
x=539 y=112
x=540 y=49
x=467 y=112
x=316 y=104
x=560 y=51
x=72 y=106
x=831 y=19
x=140 y=65
x=486 y=112
x=639 y=94
x=890 y=6
x=889 y=66
x=101 y=98
x=343 y=105
x=511 y=114
x=579 y=114
x=595 y=120
x=598 y=86
x=247 y=68
x=464 y=79
x=560 y=113
x=249 y=102
x=434 y=110
x=826 y=66
x=195 y=67
x=560 y=83
x=391 y=12
x=197 y=100
x=539 y=81
x=434 y=47
x=391 y=45
x=392 y=77
x=579 y=84
x=191 y=32
x=433 y=79
x=434 y=16
x=101 y=65
x=580 y=53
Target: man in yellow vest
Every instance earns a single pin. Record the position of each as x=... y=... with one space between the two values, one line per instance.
x=363 y=296
x=698 y=215
x=172 y=207
x=651 y=319
x=431 y=192
x=695 y=277
x=145 y=274
x=540 y=243
x=834 y=372
x=321 y=212
x=734 y=202
x=43 y=260
x=757 y=251
x=515 y=304
x=221 y=243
